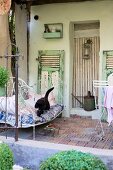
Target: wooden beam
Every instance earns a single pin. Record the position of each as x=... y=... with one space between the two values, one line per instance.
x=41 y=2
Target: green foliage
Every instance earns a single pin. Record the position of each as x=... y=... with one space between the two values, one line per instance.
x=6 y=157
x=73 y=160
x=4 y=76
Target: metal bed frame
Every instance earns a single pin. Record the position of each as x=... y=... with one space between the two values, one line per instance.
x=17 y=86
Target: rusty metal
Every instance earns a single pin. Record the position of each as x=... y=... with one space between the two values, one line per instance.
x=17 y=55
x=10 y=127
x=16 y=97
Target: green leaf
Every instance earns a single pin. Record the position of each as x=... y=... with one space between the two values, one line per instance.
x=73 y=160
x=4 y=76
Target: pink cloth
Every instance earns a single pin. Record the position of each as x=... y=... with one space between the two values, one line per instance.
x=108 y=103
x=110 y=115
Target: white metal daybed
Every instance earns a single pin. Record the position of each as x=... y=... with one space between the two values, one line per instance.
x=27 y=116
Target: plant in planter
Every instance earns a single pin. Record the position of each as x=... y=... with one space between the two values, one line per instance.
x=4 y=77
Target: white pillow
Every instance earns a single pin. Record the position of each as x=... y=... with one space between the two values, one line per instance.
x=51 y=99
x=33 y=97
x=10 y=104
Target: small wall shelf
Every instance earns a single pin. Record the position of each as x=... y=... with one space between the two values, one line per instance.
x=53 y=31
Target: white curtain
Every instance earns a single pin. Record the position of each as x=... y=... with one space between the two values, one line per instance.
x=21 y=38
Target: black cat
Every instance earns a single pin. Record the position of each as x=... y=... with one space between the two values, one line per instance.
x=43 y=103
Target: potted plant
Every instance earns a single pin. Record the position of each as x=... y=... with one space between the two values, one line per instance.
x=4 y=77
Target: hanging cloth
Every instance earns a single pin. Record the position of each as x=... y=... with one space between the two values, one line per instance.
x=4 y=6
x=5 y=47
x=108 y=103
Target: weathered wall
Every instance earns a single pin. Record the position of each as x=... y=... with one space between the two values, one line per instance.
x=68 y=14
x=21 y=39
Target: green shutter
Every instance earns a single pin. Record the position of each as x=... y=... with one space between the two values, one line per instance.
x=107 y=64
x=51 y=72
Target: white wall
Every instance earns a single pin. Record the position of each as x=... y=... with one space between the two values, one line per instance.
x=68 y=13
x=21 y=39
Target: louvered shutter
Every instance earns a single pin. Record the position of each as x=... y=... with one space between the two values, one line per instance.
x=107 y=64
x=50 y=62
x=51 y=71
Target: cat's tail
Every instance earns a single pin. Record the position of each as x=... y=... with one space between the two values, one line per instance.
x=47 y=93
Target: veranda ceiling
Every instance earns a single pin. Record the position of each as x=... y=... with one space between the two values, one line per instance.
x=41 y=2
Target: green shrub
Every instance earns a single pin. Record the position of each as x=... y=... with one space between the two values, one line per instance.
x=6 y=157
x=73 y=160
x=4 y=76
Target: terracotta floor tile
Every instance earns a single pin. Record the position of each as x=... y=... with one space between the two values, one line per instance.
x=78 y=131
